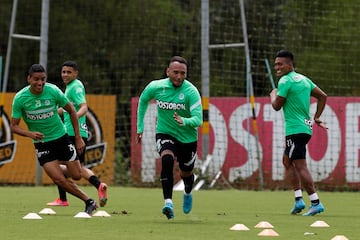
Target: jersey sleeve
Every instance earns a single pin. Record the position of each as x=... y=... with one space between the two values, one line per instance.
x=78 y=95
x=145 y=98
x=196 y=112
x=16 y=111
x=312 y=84
x=283 y=87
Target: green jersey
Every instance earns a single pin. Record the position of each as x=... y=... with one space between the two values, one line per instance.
x=296 y=89
x=40 y=111
x=75 y=92
x=184 y=100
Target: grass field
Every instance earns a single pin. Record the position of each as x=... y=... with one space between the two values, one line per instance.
x=214 y=213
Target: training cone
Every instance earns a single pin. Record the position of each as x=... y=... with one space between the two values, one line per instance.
x=32 y=216
x=82 y=215
x=268 y=232
x=319 y=224
x=101 y=213
x=339 y=237
x=264 y=224
x=47 y=211
x=239 y=227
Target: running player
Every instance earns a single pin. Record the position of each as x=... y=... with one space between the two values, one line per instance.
x=75 y=92
x=293 y=96
x=37 y=104
x=179 y=116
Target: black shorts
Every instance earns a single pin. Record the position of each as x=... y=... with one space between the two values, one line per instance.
x=60 y=149
x=296 y=145
x=185 y=153
x=82 y=155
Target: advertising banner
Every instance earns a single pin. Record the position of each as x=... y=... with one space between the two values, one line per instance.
x=17 y=154
x=236 y=150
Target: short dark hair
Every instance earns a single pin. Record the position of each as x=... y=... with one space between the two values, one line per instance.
x=72 y=64
x=285 y=54
x=36 y=68
x=178 y=59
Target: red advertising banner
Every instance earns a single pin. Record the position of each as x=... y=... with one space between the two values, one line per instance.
x=236 y=150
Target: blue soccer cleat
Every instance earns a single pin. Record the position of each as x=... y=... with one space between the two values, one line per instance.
x=314 y=209
x=187 y=203
x=298 y=206
x=168 y=210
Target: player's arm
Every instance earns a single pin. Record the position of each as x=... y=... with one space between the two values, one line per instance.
x=196 y=118
x=145 y=98
x=321 y=97
x=82 y=110
x=196 y=112
x=60 y=111
x=79 y=143
x=276 y=101
x=15 y=128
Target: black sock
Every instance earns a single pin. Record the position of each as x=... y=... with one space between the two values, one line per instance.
x=62 y=194
x=298 y=198
x=89 y=202
x=188 y=182
x=315 y=202
x=94 y=181
x=167 y=175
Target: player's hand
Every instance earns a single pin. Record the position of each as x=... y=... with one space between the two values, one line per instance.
x=320 y=123
x=37 y=136
x=178 y=119
x=79 y=145
x=138 y=138
x=273 y=93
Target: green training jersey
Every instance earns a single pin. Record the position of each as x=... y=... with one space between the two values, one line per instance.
x=75 y=92
x=40 y=111
x=184 y=100
x=296 y=89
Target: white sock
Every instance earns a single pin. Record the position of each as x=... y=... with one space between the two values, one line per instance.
x=313 y=197
x=168 y=200
x=298 y=193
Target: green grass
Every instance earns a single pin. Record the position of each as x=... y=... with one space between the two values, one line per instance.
x=214 y=212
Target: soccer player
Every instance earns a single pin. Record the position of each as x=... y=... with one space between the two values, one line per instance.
x=179 y=116
x=293 y=96
x=75 y=92
x=37 y=104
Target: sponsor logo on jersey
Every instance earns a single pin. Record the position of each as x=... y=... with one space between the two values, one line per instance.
x=170 y=105
x=39 y=116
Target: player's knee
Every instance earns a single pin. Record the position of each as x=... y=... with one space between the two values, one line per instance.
x=74 y=170
x=167 y=162
x=76 y=176
x=189 y=179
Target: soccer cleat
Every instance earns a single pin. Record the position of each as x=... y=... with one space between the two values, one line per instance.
x=58 y=202
x=314 y=209
x=187 y=203
x=102 y=192
x=90 y=207
x=299 y=205
x=168 y=210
